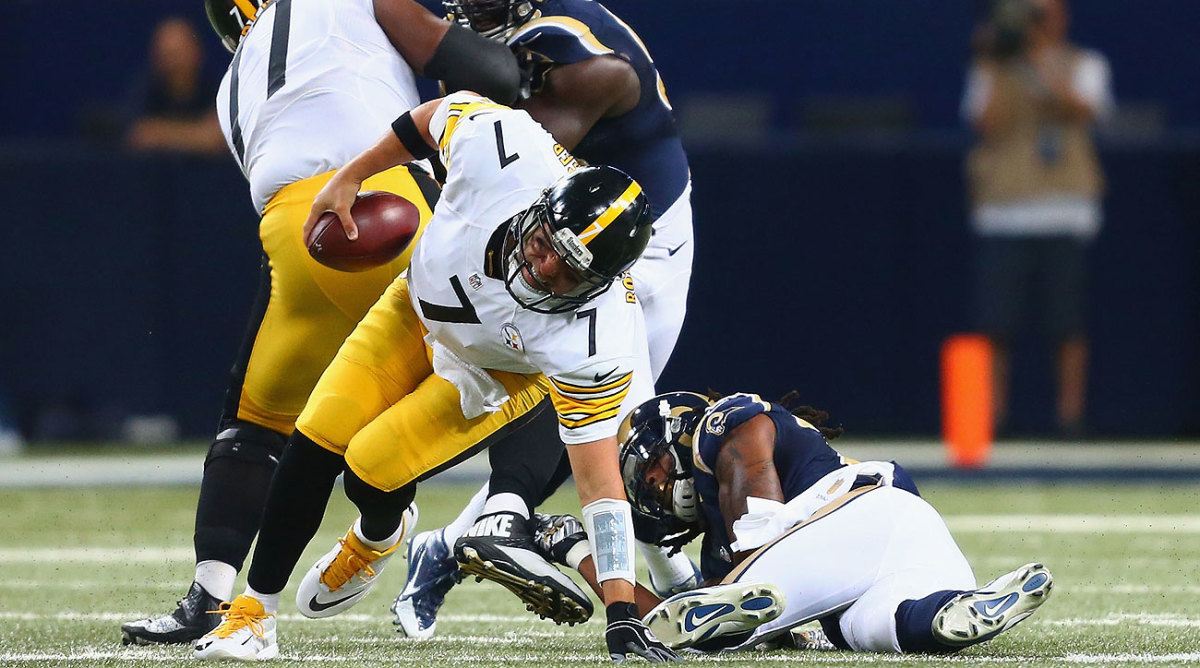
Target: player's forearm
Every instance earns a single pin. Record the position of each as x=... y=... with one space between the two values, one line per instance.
x=390 y=150
x=606 y=515
x=645 y=599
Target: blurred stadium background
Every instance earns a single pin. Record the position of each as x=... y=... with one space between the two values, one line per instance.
x=833 y=246
x=833 y=257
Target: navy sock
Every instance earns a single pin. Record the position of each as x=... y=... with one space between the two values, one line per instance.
x=914 y=623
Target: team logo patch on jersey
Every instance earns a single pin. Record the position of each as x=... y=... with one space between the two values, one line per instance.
x=715 y=424
x=475 y=281
x=512 y=336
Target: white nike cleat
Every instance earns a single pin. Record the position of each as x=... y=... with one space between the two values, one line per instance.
x=246 y=633
x=342 y=577
x=712 y=612
x=981 y=614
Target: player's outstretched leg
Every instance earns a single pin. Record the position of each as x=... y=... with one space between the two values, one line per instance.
x=714 y=612
x=191 y=620
x=346 y=573
x=978 y=615
x=246 y=633
x=500 y=547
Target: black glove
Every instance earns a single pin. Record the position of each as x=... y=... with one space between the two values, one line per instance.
x=555 y=535
x=626 y=634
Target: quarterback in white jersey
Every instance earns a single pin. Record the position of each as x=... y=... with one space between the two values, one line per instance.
x=518 y=291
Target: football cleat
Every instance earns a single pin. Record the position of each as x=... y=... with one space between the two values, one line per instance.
x=499 y=548
x=342 y=577
x=712 y=612
x=246 y=633
x=981 y=614
x=432 y=571
x=188 y=622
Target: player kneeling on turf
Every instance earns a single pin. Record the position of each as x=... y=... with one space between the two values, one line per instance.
x=795 y=533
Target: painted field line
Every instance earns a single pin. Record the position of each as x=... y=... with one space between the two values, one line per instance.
x=95 y=554
x=1122 y=619
x=286 y=617
x=139 y=655
x=1074 y=523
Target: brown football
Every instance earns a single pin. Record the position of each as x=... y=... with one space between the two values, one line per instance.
x=386 y=223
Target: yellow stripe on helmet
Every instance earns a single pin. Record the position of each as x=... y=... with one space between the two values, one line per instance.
x=248 y=9
x=615 y=209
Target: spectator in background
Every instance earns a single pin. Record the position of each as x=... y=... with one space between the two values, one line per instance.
x=173 y=108
x=1035 y=187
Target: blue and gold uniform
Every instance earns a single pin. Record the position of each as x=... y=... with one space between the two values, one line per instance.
x=642 y=142
x=802 y=457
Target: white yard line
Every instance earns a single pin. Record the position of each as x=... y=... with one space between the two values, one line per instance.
x=1074 y=523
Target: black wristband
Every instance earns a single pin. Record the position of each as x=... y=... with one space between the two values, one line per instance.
x=408 y=134
x=621 y=610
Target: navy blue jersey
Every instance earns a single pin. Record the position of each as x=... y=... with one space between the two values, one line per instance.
x=642 y=142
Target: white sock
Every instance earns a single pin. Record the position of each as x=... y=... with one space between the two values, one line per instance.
x=506 y=502
x=270 y=602
x=467 y=517
x=672 y=571
x=216 y=577
x=378 y=545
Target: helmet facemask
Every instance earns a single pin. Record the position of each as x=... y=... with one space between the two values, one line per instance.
x=530 y=292
x=494 y=19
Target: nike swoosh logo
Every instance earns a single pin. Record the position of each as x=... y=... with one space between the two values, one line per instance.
x=672 y=251
x=993 y=608
x=599 y=377
x=318 y=606
x=697 y=617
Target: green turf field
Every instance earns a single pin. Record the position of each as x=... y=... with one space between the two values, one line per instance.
x=77 y=563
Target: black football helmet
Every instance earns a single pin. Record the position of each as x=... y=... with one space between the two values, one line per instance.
x=495 y=19
x=233 y=18
x=598 y=221
x=663 y=427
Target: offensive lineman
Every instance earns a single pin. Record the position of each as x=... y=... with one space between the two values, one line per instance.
x=794 y=532
x=309 y=84
x=513 y=278
x=595 y=88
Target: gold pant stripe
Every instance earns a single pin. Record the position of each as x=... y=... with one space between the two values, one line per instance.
x=821 y=512
x=311 y=308
x=381 y=406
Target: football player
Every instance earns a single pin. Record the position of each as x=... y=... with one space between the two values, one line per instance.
x=309 y=85
x=594 y=86
x=793 y=533
x=509 y=308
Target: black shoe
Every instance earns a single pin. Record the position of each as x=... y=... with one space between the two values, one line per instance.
x=499 y=547
x=190 y=621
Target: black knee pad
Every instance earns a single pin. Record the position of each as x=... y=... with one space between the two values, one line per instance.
x=248 y=443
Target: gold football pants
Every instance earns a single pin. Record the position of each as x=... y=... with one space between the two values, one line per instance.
x=309 y=308
x=380 y=405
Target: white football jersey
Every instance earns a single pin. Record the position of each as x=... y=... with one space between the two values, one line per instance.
x=313 y=84
x=499 y=161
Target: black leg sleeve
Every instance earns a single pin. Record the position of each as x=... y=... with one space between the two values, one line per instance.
x=237 y=473
x=295 y=506
x=381 y=511
x=524 y=461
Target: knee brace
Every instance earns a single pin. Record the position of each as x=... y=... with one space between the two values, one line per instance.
x=248 y=443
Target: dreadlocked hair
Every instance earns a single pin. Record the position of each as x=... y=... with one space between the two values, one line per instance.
x=814 y=416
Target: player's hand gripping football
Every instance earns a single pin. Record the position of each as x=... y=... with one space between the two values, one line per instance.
x=337 y=196
x=626 y=635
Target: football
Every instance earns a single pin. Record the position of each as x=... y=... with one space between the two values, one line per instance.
x=386 y=223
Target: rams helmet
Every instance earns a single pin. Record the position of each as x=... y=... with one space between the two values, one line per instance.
x=663 y=426
x=232 y=18
x=597 y=219
x=495 y=19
